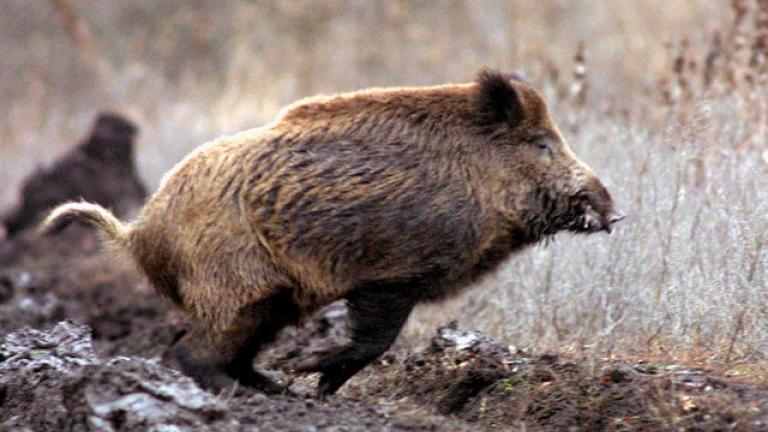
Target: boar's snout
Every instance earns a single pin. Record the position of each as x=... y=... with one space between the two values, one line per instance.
x=592 y=223
x=598 y=212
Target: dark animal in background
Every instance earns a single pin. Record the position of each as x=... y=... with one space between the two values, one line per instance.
x=383 y=197
x=100 y=170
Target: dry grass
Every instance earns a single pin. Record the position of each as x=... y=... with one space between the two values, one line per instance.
x=676 y=127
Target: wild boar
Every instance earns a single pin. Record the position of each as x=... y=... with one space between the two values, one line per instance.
x=384 y=197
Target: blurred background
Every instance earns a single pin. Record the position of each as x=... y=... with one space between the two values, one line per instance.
x=665 y=100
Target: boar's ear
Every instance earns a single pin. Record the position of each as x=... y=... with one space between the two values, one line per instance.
x=496 y=100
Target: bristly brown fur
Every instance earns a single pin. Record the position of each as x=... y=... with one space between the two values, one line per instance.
x=385 y=197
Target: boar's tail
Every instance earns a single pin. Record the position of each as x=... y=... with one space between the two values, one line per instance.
x=114 y=232
x=156 y=261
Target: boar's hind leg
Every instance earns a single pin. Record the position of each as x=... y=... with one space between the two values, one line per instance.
x=264 y=320
x=376 y=315
x=216 y=360
x=198 y=361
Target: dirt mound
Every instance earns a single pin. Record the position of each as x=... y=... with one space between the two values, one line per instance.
x=107 y=295
x=53 y=380
x=469 y=376
x=100 y=170
x=463 y=380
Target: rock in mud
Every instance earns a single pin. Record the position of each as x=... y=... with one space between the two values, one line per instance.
x=469 y=341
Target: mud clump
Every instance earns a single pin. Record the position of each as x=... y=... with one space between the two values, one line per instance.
x=470 y=382
x=26 y=299
x=54 y=381
x=124 y=319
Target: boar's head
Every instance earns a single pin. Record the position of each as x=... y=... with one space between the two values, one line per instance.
x=543 y=185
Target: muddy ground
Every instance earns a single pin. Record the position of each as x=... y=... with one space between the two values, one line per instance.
x=84 y=344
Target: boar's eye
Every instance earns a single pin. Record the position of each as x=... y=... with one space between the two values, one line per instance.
x=543 y=145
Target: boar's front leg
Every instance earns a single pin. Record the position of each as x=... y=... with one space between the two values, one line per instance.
x=376 y=315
